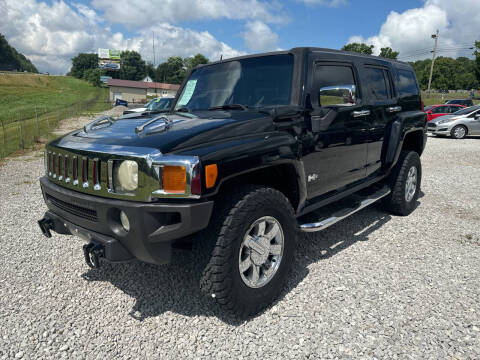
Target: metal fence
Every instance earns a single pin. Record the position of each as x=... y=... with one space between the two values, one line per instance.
x=26 y=133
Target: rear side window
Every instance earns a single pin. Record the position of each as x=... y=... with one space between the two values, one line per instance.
x=378 y=83
x=407 y=84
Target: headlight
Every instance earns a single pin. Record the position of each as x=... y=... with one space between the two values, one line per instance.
x=445 y=121
x=125 y=176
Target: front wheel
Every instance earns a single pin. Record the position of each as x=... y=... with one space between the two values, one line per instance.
x=404 y=181
x=459 y=132
x=256 y=239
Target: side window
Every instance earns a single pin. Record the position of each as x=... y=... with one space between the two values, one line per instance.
x=378 y=83
x=407 y=85
x=336 y=85
x=440 y=110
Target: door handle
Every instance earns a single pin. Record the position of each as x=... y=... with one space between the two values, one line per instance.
x=393 y=109
x=360 y=113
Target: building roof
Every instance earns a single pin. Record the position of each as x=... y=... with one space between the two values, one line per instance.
x=142 y=84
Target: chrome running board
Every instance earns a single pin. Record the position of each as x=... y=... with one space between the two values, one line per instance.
x=346 y=212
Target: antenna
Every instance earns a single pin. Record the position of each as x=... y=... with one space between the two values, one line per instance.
x=153 y=46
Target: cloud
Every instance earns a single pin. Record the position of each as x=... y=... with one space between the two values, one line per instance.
x=329 y=3
x=259 y=37
x=410 y=32
x=144 y=13
x=50 y=35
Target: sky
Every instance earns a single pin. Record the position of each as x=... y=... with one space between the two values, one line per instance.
x=51 y=32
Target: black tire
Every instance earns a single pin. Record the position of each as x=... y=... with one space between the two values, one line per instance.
x=231 y=220
x=459 y=134
x=396 y=202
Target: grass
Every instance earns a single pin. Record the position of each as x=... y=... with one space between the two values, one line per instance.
x=436 y=98
x=21 y=94
x=31 y=106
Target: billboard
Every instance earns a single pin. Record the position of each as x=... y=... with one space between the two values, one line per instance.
x=109 y=64
x=109 y=54
x=109 y=59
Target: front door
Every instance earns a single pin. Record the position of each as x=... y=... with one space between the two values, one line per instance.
x=337 y=156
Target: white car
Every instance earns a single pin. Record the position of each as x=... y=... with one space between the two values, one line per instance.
x=457 y=125
x=157 y=104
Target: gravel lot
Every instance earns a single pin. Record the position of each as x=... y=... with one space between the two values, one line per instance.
x=372 y=286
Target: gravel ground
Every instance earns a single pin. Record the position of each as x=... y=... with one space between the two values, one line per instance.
x=372 y=286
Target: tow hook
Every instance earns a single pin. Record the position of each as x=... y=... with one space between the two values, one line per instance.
x=46 y=225
x=93 y=252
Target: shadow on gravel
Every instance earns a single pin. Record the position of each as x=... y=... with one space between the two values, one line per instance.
x=174 y=287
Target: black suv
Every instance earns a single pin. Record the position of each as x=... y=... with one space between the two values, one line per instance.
x=251 y=148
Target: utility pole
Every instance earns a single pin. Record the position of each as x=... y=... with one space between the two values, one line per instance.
x=153 y=45
x=434 y=36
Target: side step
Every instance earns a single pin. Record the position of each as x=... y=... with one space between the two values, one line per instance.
x=346 y=212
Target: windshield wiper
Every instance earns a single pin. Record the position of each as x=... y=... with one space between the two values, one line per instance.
x=229 y=107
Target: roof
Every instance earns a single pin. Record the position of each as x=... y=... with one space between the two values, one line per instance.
x=142 y=84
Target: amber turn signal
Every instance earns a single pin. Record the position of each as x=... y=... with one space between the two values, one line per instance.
x=174 y=179
x=211 y=172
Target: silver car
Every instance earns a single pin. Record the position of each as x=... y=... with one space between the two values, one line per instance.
x=457 y=125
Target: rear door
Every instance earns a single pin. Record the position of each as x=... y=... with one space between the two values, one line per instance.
x=338 y=155
x=383 y=107
x=440 y=111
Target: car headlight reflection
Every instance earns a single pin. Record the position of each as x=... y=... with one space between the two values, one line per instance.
x=125 y=176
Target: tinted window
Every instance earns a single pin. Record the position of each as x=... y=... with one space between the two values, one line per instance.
x=377 y=84
x=440 y=110
x=256 y=81
x=407 y=85
x=329 y=77
x=466 y=111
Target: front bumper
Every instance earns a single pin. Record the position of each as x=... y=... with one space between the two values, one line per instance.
x=154 y=226
x=441 y=129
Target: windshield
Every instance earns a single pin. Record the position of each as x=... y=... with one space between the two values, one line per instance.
x=258 y=81
x=467 y=110
x=160 y=104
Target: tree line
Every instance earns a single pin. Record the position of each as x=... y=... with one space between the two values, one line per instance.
x=448 y=73
x=12 y=60
x=133 y=67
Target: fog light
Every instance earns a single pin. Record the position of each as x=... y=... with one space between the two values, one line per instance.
x=124 y=220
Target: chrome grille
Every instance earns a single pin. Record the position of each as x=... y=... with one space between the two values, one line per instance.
x=89 y=173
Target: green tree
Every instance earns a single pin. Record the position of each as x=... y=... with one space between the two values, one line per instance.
x=11 y=59
x=132 y=66
x=194 y=61
x=81 y=63
x=477 y=60
x=359 y=48
x=387 y=52
x=93 y=76
x=150 y=70
x=172 y=71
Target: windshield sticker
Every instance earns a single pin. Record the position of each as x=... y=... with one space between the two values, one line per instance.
x=187 y=92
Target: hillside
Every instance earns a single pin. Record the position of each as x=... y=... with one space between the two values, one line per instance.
x=12 y=60
x=20 y=93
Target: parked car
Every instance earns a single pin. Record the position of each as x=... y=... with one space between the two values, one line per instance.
x=121 y=102
x=434 y=111
x=458 y=125
x=464 y=102
x=251 y=148
x=157 y=105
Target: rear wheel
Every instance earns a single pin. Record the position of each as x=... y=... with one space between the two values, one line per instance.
x=404 y=181
x=459 y=132
x=255 y=234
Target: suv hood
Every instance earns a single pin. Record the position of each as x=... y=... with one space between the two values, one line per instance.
x=176 y=133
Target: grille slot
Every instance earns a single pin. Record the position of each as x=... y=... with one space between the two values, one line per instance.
x=76 y=210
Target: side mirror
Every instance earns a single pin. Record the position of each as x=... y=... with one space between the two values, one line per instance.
x=341 y=95
x=477 y=116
